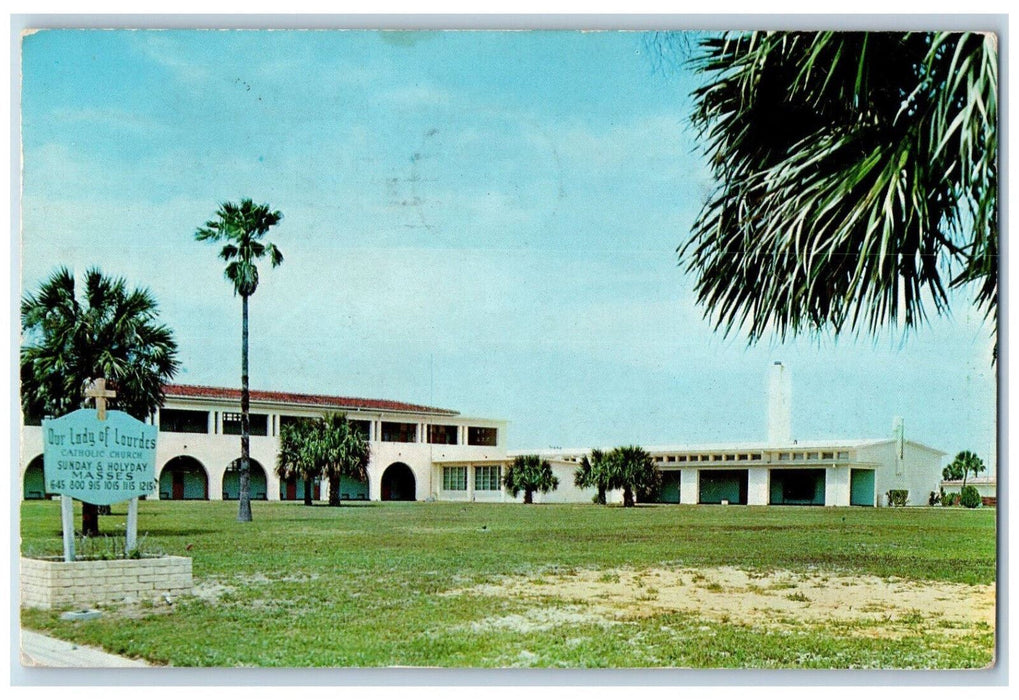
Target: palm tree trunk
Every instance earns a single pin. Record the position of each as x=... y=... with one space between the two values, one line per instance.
x=89 y=519
x=627 y=497
x=527 y=496
x=307 y=490
x=244 y=511
x=601 y=495
x=334 y=490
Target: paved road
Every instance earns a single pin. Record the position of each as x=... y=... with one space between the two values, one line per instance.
x=38 y=650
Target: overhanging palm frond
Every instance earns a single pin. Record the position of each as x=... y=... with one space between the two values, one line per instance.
x=857 y=178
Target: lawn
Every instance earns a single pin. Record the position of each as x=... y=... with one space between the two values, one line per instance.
x=496 y=585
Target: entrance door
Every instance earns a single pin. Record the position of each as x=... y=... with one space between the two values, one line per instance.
x=178 y=486
x=292 y=489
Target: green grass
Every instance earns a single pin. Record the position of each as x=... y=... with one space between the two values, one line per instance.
x=384 y=584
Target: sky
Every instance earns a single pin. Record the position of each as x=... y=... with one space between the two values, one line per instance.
x=481 y=221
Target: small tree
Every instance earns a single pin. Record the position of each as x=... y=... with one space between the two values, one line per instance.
x=965 y=462
x=530 y=473
x=297 y=454
x=969 y=497
x=633 y=470
x=593 y=473
x=345 y=453
x=329 y=447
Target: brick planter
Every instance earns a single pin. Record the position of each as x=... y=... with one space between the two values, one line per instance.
x=47 y=583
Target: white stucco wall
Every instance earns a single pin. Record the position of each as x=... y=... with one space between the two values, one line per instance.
x=918 y=471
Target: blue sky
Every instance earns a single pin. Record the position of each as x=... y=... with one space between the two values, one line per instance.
x=484 y=221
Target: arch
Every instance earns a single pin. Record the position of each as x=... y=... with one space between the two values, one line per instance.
x=292 y=489
x=256 y=481
x=398 y=483
x=183 y=478
x=34 y=484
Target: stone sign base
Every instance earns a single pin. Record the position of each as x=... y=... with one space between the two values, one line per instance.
x=56 y=583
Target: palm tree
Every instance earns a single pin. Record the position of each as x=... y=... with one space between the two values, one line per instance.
x=110 y=332
x=964 y=463
x=857 y=178
x=242 y=227
x=297 y=455
x=346 y=453
x=530 y=473
x=593 y=473
x=633 y=470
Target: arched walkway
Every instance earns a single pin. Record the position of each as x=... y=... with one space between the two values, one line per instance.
x=256 y=481
x=292 y=489
x=34 y=486
x=183 y=479
x=398 y=483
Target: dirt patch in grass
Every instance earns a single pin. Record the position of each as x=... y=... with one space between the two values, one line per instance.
x=868 y=605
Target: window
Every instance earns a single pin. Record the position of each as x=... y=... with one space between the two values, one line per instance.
x=730 y=458
x=670 y=458
x=361 y=426
x=755 y=457
x=783 y=456
x=173 y=420
x=399 y=432
x=827 y=455
x=258 y=424
x=743 y=457
x=681 y=458
x=291 y=420
x=487 y=478
x=716 y=458
x=797 y=455
x=811 y=455
x=442 y=434
x=482 y=436
x=454 y=478
x=843 y=455
x=705 y=458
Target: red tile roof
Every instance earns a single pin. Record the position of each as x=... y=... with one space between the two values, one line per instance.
x=318 y=400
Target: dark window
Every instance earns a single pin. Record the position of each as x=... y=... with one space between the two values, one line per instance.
x=293 y=420
x=442 y=434
x=174 y=420
x=481 y=436
x=361 y=426
x=258 y=424
x=399 y=432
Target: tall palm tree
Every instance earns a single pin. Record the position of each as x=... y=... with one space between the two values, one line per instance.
x=857 y=178
x=593 y=473
x=108 y=331
x=242 y=227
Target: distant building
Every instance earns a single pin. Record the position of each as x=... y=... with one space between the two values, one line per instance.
x=986 y=486
x=198 y=447
x=421 y=453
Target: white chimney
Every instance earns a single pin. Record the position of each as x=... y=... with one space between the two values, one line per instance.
x=779 y=406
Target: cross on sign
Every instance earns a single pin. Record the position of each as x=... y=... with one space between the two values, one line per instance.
x=98 y=391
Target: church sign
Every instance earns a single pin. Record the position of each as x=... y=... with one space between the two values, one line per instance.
x=99 y=461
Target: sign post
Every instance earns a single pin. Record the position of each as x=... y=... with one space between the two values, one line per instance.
x=101 y=457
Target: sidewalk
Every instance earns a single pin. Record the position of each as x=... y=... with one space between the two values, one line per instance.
x=38 y=650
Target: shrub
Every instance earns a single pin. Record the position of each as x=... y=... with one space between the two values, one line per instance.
x=950 y=499
x=934 y=499
x=898 y=497
x=969 y=497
